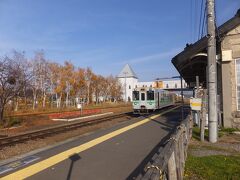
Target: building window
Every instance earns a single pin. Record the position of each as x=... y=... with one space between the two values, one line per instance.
x=238 y=83
x=129 y=87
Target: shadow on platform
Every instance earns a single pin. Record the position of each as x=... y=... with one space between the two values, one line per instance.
x=168 y=122
x=73 y=158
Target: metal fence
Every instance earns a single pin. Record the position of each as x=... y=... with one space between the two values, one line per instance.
x=169 y=162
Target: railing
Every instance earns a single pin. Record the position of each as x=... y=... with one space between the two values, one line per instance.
x=169 y=162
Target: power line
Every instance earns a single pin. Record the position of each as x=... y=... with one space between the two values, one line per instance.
x=204 y=21
x=200 y=20
x=191 y=20
x=215 y=21
x=195 y=19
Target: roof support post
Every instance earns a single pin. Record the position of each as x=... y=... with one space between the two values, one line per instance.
x=212 y=73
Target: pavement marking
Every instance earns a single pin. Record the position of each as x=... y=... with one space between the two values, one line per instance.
x=42 y=165
x=16 y=164
x=84 y=117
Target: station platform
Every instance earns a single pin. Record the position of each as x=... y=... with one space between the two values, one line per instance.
x=119 y=152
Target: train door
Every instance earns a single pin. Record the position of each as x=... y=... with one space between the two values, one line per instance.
x=143 y=96
x=158 y=99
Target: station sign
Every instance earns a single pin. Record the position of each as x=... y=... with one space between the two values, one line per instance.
x=79 y=106
x=196 y=104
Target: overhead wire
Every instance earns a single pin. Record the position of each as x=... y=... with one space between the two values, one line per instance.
x=191 y=20
x=195 y=19
x=198 y=13
x=200 y=20
x=216 y=27
x=204 y=21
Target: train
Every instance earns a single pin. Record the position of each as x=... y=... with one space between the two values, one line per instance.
x=147 y=99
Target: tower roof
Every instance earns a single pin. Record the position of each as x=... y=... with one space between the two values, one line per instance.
x=127 y=72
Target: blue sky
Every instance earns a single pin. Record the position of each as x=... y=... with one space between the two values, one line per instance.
x=106 y=34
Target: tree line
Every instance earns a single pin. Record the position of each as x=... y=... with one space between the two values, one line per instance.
x=38 y=82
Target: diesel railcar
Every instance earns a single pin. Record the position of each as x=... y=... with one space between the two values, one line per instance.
x=146 y=99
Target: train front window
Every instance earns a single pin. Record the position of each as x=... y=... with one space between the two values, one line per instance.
x=143 y=96
x=136 y=95
x=150 y=95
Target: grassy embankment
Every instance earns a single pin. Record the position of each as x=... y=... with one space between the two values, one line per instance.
x=214 y=161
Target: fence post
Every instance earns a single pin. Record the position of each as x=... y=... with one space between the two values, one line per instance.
x=176 y=150
x=181 y=155
x=172 y=170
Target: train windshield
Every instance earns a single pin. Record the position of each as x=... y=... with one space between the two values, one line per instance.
x=150 y=95
x=136 y=95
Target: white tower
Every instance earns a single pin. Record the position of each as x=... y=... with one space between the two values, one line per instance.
x=128 y=79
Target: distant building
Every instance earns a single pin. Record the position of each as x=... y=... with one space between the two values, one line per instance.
x=129 y=80
x=173 y=84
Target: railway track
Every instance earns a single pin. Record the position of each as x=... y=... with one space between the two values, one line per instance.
x=11 y=140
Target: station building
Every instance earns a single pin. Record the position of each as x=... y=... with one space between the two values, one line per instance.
x=129 y=80
x=192 y=62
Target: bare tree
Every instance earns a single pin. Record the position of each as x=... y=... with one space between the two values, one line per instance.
x=41 y=81
x=88 y=79
x=13 y=78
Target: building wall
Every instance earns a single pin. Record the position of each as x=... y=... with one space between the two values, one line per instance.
x=231 y=115
x=130 y=84
x=173 y=84
x=144 y=84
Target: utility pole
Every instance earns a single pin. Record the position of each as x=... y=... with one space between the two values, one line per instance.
x=182 y=97
x=197 y=96
x=212 y=73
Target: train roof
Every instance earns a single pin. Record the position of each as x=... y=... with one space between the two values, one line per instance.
x=148 y=88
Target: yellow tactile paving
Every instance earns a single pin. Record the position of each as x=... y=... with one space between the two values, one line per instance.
x=40 y=166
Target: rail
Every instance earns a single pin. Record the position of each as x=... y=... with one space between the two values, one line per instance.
x=11 y=140
x=169 y=163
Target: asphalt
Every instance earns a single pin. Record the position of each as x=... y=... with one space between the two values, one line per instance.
x=121 y=157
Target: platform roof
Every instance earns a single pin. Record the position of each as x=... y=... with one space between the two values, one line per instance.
x=192 y=61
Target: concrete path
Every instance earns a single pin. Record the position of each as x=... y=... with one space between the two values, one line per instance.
x=120 y=152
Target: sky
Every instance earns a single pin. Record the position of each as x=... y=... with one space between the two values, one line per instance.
x=106 y=34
